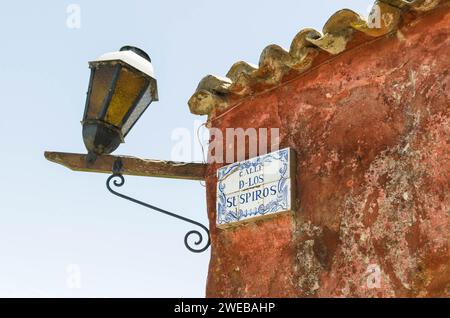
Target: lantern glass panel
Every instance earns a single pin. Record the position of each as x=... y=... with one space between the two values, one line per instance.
x=141 y=106
x=101 y=82
x=127 y=91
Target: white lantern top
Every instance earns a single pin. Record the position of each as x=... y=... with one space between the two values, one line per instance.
x=131 y=58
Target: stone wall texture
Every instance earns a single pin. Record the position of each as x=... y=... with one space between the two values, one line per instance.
x=371 y=129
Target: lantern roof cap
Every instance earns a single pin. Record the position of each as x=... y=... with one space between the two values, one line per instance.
x=129 y=56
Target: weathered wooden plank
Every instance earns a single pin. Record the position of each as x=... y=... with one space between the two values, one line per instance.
x=131 y=166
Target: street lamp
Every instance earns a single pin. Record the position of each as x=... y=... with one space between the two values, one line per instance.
x=121 y=87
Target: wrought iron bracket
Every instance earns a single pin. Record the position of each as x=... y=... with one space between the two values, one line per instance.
x=118 y=180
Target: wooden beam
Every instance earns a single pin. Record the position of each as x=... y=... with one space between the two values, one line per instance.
x=131 y=166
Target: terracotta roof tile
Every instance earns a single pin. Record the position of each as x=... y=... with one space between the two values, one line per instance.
x=276 y=64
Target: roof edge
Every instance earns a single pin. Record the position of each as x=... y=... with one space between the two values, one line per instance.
x=215 y=93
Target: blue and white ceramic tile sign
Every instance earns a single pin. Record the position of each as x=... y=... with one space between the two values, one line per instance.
x=255 y=188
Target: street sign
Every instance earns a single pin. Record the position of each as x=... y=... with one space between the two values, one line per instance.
x=255 y=188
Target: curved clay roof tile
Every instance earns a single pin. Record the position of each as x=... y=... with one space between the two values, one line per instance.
x=275 y=63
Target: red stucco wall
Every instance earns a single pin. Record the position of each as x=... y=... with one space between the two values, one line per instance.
x=371 y=131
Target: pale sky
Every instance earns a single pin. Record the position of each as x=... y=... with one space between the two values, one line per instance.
x=55 y=222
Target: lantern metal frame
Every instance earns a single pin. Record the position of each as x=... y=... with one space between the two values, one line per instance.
x=102 y=134
x=107 y=100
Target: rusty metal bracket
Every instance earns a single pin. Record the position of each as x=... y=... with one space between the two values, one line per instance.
x=118 y=180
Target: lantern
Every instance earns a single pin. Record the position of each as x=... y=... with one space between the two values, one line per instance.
x=121 y=87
